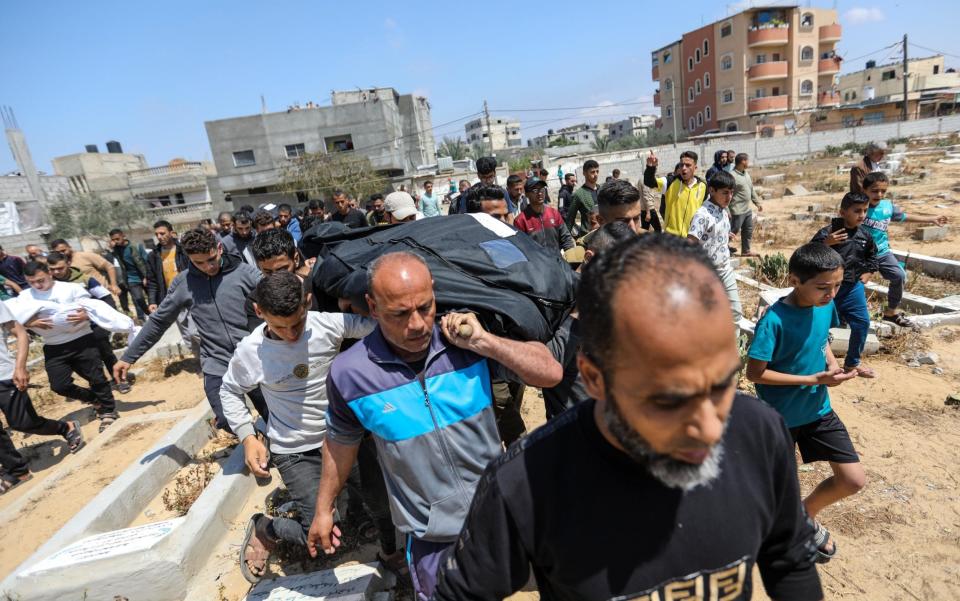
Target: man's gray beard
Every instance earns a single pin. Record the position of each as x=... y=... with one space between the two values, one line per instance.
x=671 y=472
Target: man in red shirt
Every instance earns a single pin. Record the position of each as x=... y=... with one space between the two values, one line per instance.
x=541 y=222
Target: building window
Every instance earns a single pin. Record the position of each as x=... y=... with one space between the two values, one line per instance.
x=696 y=55
x=699 y=119
x=667 y=85
x=806 y=53
x=696 y=87
x=669 y=111
x=846 y=96
x=726 y=29
x=936 y=69
x=732 y=126
x=760 y=93
x=256 y=191
x=806 y=87
x=692 y=124
x=727 y=96
x=342 y=143
x=726 y=63
x=667 y=57
x=244 y=158
x=761 y=58
x=706 y=80
x=708 y=114
x=689 y=94
x=806 y=21
x=690 y=64
x=706 y=48
x=888 y=75
x=655 y=60
x=294 y=150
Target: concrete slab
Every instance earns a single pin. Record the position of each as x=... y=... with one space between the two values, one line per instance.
x=931 y=233
x=947 y=269
x=802 y=217
x=951 y=301
x=766 y=180
x=796 y=190
x=840 y=340
x=937 y=319
x=815 y=208
x=345 y=583
x=916 y=304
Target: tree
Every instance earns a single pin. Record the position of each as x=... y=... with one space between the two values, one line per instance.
x=320 y=173
x=90 y=215
x=601 y=144
x=455 y=148
x=561 y=141
x=478 y=149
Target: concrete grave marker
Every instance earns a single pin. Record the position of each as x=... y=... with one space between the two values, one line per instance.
x=344 y=583
x=796 y=190
x=108 y=544
x=933 y=232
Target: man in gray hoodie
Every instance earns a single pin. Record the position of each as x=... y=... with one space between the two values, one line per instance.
x=214 y=288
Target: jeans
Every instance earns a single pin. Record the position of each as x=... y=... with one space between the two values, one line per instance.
x=424 y=559
x=507 y=398
x=211 y=387
x=105 y=349
x=892 y=272
x=729 y=278
x=79 y=357
x=139 y=299
x=374 y=492
x=301 y=473
x=851 y=303
x=743 y=225
x=21 y=416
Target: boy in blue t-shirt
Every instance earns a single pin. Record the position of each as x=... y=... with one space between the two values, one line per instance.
x=792 y=365
x=880 y=214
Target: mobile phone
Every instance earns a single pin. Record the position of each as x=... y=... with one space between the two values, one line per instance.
x=837 y=224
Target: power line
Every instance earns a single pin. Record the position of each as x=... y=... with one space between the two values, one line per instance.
x=872 y=53
x=933 y=50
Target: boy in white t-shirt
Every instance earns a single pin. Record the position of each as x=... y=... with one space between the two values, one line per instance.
x=18 y=409
x=288 y=358
x=710 y=227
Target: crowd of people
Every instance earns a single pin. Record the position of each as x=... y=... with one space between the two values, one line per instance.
x=651 y=460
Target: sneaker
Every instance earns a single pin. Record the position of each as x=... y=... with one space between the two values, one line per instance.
x=899 y=319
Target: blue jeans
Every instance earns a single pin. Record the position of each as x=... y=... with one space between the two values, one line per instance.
x=892 y=272
x=851 y=303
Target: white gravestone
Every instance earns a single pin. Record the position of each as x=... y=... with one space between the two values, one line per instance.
x=344 y=583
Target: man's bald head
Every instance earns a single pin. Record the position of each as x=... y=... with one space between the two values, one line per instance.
x=400 y=297
x=394 y=270
x=657 y=275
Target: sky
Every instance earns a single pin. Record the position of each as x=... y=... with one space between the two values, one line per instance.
x=150 y=74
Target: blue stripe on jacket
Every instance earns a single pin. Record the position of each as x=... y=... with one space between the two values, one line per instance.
x=401 y=413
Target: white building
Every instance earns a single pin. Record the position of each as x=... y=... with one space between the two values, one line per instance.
x=494 y=133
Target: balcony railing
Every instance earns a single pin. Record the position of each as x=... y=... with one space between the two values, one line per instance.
x=771 y=36
x=830 y=33
x=771 y=70
x=828 y=98
x=828 y=66
x=174 y=169
x=768 y=103
x=184 y=212
x=656 y=98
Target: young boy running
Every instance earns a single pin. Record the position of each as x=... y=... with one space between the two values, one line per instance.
x=879 y=215
x=792 y=365
x=287 y=358
x=859 y=253
x=710 y=226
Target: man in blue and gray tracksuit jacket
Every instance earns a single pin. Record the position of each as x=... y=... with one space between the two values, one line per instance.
x=423 y=390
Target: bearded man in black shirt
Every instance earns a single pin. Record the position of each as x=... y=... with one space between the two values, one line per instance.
x=667 y=484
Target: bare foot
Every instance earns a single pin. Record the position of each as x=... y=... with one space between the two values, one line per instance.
x=865 y=372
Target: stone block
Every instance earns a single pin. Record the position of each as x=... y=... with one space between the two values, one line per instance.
x=840 y=340
x=772 y=179
x=802 y=217
x=814 y=208
x=796 y=190
x=930 y=233
x=344 y=583
x=951 y=301
x=926 y=358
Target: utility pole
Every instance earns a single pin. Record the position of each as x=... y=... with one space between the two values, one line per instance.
x=486 y=114
x=906 y=85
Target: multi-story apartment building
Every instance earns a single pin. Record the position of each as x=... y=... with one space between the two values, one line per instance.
x=760 y=67
x=633 y=126
x=494 y=133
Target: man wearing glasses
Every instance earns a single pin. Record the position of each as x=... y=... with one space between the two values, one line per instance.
x=541 y=222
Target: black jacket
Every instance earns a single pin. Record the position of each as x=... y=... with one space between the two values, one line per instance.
x=859 y=251
x=156 y=283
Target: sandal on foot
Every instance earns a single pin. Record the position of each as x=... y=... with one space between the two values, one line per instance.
x=822 y=539
x=865 y=372
x=8 y=482
x=74 y=437
x=900 y=319
x=253 y=561
x=106 y=419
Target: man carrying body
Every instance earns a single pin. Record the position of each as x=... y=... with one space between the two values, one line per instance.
x=682 y=196
x=401 y=208
x=584 y=199
x=489 y=200
x=133 y=269
x=214 y=288
x=69 y=346
x=91 y=265
x=275 y=251
x=423 y=390
x=344 y=214
x=666 y=448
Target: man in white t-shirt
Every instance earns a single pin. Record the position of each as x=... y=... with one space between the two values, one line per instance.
x=18 y=409
x=287 y=357
x=69 y=346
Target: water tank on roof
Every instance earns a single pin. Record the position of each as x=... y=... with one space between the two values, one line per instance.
x=92 y=148
x=114 y=147
x=871 y=64
x=869 y=92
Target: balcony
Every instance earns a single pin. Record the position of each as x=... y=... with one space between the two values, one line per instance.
x=828 y=66
x=656 y=98
x=656 y=73
x=828 y=99
x=176 y=177
x=180 y=214
x=771 y=36
x=771 y=70
x=768 y=104
x=830 y=33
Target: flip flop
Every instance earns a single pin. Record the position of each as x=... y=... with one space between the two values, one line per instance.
x=8 y=482
x=821 y=538
x=248 y=535
x=74 y=437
